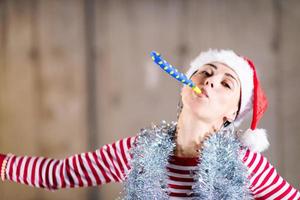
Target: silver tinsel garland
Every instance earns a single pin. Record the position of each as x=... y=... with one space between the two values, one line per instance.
x=220 y=175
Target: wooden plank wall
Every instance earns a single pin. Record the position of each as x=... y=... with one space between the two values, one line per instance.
x=75 y=75
x=43 y=95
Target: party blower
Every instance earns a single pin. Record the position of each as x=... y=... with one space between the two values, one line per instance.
x=181 y=77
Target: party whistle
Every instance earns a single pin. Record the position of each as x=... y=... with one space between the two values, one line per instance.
x=157 y=58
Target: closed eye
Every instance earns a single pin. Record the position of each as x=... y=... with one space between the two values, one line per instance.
x=206 y=73
x=226 y=85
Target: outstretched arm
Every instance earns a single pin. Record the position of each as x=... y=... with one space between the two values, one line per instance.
x=107 y=164
x=266 y=183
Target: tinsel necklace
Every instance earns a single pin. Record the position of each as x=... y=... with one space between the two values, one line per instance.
x=220 y=173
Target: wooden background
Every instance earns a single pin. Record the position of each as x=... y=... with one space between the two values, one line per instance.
x=76 y=74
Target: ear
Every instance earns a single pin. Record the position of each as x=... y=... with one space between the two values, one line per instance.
x=231 y=117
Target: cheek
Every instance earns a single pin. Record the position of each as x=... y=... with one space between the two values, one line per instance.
x=223 y=101
x=189 y=100
x=229 y=101
x=184 y=94
x=197 y=80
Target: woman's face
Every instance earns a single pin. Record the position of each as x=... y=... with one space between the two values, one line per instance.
x=222 y=88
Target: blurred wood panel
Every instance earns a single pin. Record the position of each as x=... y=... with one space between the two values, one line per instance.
x=288 y=61
x=45 y=86
x=19 y=121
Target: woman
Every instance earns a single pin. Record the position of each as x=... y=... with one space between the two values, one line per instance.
x=198 y=157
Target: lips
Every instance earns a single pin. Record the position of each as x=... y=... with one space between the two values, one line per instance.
x=203 y=93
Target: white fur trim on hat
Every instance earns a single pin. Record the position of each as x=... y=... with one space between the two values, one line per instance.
x=256 y=140
x=239 y=65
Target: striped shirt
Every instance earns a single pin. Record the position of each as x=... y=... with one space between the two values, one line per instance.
x=111 y=164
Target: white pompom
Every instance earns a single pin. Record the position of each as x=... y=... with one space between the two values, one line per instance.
x=256 y=140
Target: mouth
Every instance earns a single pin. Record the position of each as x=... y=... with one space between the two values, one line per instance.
x=203 y=93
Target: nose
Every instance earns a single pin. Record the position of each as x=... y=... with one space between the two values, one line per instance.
x=209 y=83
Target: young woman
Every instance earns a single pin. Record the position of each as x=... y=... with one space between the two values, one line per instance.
x=198 y=157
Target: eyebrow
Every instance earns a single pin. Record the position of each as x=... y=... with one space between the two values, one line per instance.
x=212 y=65
x=227 y=74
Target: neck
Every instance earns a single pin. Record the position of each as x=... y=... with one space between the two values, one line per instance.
x=191 y=132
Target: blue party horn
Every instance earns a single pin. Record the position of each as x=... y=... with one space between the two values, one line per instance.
x=157 y=58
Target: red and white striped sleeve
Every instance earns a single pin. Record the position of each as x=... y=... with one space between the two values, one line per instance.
x=107 y=164
x=266 y=183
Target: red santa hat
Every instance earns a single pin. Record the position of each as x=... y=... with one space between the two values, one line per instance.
x=252 y=96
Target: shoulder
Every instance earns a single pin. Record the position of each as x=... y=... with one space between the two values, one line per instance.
x=260 y=171
x=254 y=161
x=262 y=175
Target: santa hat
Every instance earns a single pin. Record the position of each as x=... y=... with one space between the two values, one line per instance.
x=252 y=96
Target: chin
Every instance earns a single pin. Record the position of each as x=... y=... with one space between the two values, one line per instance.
x=196 y=110
x=195 y=104
x=199 y=106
